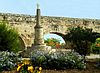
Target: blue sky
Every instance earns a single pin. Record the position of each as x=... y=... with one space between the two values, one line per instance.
x=63 y=8
x=59 y=8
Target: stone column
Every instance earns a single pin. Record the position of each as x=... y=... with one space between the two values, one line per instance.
x=39 y=40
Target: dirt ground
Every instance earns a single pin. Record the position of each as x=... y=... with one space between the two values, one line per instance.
x=90 y=69
x=71 y=71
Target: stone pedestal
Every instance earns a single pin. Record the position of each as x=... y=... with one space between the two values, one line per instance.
x=41 y=47
x=39 y=40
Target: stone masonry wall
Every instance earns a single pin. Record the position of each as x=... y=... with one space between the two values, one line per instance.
x=24 y=24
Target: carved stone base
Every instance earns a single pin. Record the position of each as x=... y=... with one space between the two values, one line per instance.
x=26 y=53
x=41 y=47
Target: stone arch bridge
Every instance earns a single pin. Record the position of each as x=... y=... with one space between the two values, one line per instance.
x=24 y=24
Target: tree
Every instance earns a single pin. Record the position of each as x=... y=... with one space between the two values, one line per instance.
x=81 y=39
x=9 y=38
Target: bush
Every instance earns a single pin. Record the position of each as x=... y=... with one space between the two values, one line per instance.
x=57 y=60
x=96 y=46
x=81 y=38
x=9 y=38
x=53 y=42
x=8 y=60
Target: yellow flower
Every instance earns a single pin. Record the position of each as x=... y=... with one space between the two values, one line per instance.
x=30 y=68
x=26 y=62
x=40 y=68
x=39 y=71
x=22 y=65
x=19 y=68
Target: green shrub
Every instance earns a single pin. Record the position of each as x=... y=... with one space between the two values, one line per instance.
x=81 y=38
x=95 y=49
x=96 y=46
x=57 y=60
x=8 y=60
x=9 y=38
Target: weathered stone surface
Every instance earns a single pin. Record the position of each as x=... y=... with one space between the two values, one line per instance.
x=38 y=39
x=24 y=24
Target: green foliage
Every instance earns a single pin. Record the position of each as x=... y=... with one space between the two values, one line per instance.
x=9 y=38
x=53 y=42
x=57 y=60
x=81 y=39
x=96 y=46
x=8 y=60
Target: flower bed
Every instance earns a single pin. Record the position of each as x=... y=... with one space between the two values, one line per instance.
x=26 y=67
x=8 y=60
x=90 y=69
x=58 y=60
x=51 y=62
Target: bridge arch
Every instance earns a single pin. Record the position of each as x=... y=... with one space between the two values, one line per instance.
x=59 y=34
x=56 y=39
x=56 y=35
x=22 y=44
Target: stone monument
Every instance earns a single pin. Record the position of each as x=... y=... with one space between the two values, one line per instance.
x=38 y=29
x=38 y=39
